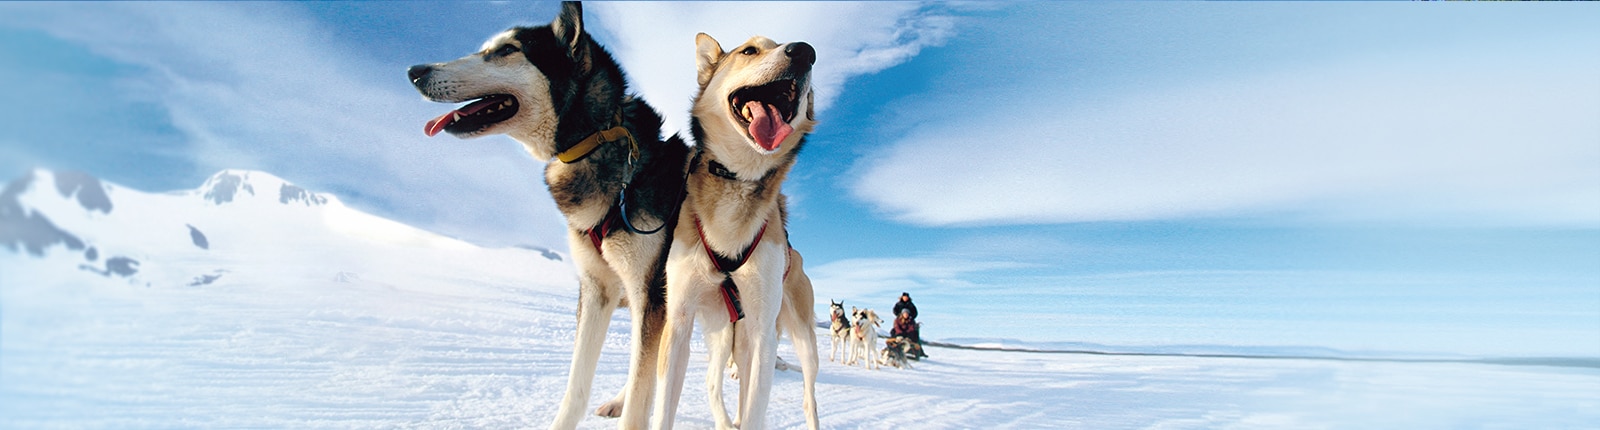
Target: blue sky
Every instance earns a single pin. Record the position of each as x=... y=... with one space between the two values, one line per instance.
x=1393 y=176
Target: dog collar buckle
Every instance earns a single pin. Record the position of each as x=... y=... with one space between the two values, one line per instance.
x=616 y=133
x=721 y=171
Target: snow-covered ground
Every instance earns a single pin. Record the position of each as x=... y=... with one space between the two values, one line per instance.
x=250 y=302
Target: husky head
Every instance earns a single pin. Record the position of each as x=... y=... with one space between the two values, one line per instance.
x=757 y=95
x=867 y=316
x=534 y=84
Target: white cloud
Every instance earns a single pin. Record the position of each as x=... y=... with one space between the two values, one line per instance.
x=261 y=86
x=655 y=41
x=1496 y=135
x=883 y=279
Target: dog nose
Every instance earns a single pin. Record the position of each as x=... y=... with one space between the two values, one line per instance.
x=802 y=52
x=418 y=71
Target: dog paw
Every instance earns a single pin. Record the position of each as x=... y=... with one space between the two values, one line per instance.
x=611 y=409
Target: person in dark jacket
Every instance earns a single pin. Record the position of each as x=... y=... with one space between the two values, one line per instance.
x=905 y=304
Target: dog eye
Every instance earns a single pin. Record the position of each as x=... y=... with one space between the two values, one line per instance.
x=750 y=50
x=506 y=49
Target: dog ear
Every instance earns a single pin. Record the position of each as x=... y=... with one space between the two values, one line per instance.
x=568 y=26
x=707 y=54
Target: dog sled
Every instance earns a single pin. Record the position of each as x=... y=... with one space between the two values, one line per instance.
x=900 y=351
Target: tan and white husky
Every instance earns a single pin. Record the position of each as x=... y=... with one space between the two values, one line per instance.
x=731 y=252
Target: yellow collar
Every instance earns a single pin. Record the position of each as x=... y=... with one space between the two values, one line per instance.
x=588 y=144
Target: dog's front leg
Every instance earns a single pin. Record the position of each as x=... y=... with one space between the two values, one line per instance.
x=762 y=290
x=798 y=319
x=742 y=355
x=834 y=344
x=756 y=379
x=719 y=347
x=648 y=319
x=594 y=315
x=674 y=356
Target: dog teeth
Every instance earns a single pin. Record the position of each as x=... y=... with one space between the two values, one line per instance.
x=746 y=112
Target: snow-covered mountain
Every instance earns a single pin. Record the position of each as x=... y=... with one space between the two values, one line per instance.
x=192 y=237
x=252 y=302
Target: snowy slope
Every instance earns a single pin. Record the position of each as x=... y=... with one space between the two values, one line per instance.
x=251 y=302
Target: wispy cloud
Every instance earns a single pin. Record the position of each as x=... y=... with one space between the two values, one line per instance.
x=1484 y=130
x=262 y=86
x=655 y=41
x=886 y=278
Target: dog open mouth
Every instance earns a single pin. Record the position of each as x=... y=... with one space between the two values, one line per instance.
x=474 y=117
x=765 y=111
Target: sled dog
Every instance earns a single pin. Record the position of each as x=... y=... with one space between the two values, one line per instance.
x=839 y=325
x=613 y=177
x=731 y=250
x=896 y=351
x=864 y=338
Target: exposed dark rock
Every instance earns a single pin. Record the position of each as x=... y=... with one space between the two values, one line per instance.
x=198 y=238
x=545 y=252
x=290 y=193
x=122 y=266
x=29 y=230
x=207 y=279
x=90 y=191
x=224 y=186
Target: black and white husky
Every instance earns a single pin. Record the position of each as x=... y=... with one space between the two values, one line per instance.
x=618 y=183
x=731 y=252
x=839 y=325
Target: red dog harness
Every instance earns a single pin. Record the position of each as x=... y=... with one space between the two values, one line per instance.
x=730 y=292
x=598 y=233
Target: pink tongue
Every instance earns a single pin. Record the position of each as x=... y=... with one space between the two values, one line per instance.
x=767 y=126
x=437 y=124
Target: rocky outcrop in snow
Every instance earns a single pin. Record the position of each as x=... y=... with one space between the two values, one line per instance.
x=24 y=229
x=292 y=194
x=224 y=185
x=90 y=193
x=198 y=238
